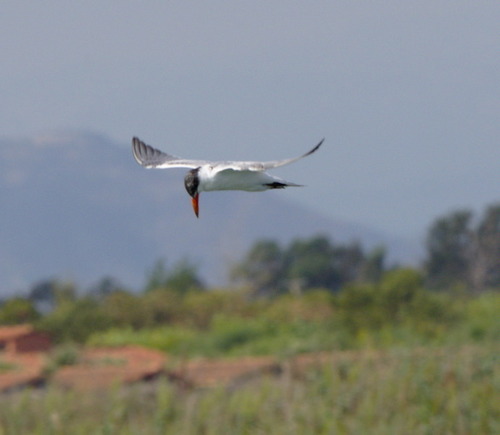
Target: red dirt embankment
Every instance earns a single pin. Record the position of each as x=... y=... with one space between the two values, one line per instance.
x=102 y=368
x=25 y=369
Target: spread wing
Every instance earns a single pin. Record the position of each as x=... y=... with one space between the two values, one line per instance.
x=264 y=166
x=150 y=157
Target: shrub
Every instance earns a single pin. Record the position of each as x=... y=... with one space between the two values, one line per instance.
x=75 y=321
x=18 y=310
x=399 y=301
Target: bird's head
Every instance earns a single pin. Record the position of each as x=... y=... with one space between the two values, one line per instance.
x=191 y=183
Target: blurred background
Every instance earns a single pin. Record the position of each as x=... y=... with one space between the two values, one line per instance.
x=406 y=95
x=365 y=302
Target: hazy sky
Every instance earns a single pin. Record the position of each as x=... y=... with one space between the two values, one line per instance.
x=406 y=93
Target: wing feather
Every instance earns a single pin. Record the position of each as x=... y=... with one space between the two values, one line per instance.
x=150 y=157
x=264 y=166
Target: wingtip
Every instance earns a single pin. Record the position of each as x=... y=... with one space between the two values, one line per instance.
x=136 y=149
x=315 y=148
x=136 y=141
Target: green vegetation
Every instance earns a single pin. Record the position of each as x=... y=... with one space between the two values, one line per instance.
x=66 y=354
x=461 y=251
x=447 y=391
x=18 y=310
x=270 y=270
x=395 y=313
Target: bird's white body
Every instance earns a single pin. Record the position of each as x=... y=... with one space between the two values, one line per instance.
x=213 y=178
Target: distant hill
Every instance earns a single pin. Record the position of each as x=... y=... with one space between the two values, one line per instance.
x=77 y=206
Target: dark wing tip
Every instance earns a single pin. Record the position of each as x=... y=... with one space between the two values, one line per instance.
x=315 y=148
x=138 y=148
x=136 y=142
x=144 y=154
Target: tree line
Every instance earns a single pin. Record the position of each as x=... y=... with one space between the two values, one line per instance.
x=464 y=250
x=462 y=253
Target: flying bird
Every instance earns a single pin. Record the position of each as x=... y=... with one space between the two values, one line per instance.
x=205 y=176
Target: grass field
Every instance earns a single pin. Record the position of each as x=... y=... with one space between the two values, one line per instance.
x=425 y=364
x=447 y=390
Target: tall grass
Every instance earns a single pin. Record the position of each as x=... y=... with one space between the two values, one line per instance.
x=448 y=391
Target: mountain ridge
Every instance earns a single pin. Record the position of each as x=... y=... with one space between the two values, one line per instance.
x=77 y=206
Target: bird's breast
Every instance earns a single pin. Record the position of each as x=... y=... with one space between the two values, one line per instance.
x=251 y=181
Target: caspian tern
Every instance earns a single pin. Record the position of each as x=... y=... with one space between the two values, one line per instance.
x=206 y=176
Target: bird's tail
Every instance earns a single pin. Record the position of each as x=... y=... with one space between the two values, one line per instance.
x=282 y=185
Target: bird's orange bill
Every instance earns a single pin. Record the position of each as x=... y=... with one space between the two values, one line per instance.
x=194 y=201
